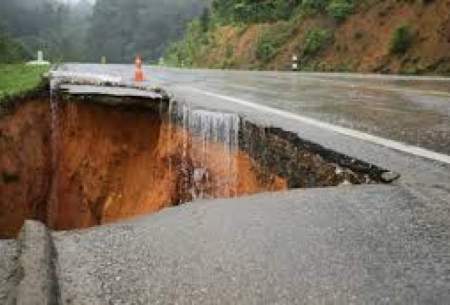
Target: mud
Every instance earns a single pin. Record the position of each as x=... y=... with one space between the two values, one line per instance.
x=88 y=161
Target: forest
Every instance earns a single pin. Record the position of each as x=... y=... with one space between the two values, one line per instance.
x=84 y=30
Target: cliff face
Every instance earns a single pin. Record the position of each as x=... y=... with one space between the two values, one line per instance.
x=116 y=163
x=363 y=42
x=25 y=166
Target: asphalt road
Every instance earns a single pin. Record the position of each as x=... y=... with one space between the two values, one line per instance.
x=374 y=244
x=365 y=245
x=412 y=110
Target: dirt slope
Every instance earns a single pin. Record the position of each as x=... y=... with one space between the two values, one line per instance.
x=361 y=43
x=25 y=166
x=103 y=163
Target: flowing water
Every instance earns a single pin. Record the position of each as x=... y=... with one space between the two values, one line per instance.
x=52 y=207
x=209 y=128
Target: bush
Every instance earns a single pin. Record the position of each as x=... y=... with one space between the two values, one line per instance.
x=340 y=9
x=266 y=50
x=401 y=40
x=316 y=40
x=251 y=11
x=271 y=40
x=314 y=6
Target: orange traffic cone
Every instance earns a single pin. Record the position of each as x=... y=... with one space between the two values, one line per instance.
x=139 y=73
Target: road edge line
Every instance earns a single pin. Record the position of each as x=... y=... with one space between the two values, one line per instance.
x=399 y=146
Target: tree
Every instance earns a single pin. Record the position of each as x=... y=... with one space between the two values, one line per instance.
x=122 y=29
x=48 y=25
x=11 y=50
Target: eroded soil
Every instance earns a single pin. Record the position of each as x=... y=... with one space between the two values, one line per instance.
x=79 y=162
x=104 y=163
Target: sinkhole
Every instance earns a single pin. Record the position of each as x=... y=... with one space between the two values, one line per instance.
x=85 y=160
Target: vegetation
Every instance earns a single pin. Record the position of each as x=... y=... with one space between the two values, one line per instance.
x=11 y=50
x=262 y=34
x=271 y=41
x=316 y=40
x=281 y=14
x=48 y=25
x=17 y=79
x=122 y=29
x=401 y=40
x=340 y=9
x=266 y=34
x=249 y=11
x=86 y=30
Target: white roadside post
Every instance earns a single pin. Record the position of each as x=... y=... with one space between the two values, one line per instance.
x=294 y=63
x=40 y=59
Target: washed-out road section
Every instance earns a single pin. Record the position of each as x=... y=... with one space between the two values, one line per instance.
x=374 y=244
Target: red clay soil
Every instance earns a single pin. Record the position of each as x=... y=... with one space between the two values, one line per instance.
x=25 y=166
x=112 y=163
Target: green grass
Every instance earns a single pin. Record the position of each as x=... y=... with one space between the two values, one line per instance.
x=18 y=79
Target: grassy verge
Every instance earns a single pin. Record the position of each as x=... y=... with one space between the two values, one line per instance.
x=17 y=80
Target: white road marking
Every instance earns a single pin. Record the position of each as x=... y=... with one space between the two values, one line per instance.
x=381 y=88
x=410 y=149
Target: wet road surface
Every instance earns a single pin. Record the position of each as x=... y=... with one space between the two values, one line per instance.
x=411 y=110
x=376 y=244
x=363 y=245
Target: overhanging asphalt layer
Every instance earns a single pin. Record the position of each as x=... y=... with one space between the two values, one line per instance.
x=412 y=168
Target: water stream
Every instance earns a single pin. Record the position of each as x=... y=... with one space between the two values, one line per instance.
x=52 y=207
x=203 y=129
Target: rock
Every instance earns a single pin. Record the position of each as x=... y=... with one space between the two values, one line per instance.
x=389 y=177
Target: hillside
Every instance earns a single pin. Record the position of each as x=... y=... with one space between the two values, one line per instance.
x=385 y=36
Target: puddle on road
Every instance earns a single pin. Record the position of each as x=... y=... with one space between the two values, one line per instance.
x=90 y=160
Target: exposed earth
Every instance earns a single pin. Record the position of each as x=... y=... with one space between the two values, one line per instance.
x=368 y=32
x=93 y=159
x=111 y=163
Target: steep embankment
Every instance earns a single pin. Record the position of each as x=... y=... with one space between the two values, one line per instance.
x=78 y=164
x=75 y=162
x=25 y=163
x=378 y=36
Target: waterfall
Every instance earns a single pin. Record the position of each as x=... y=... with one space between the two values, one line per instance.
x=202 y=130
x=52 y=207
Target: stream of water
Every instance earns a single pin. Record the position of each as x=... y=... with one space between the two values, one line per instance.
x=209 y=128
x=52 y=207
